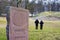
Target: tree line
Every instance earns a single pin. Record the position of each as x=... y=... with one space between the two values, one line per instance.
x=31 y=6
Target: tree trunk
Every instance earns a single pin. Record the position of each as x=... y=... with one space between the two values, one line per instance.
x=24 y=4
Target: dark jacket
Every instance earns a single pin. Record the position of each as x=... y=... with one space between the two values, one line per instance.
x=36 y=22
x=41 y=22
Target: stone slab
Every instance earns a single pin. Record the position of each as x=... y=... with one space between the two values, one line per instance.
x=18 y=27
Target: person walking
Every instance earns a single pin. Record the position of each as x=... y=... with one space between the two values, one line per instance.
x=41 y=24
x=36 y=23
x=7 y=27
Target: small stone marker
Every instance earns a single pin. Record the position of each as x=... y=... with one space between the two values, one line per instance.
x=18 y=28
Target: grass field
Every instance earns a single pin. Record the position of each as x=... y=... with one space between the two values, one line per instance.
x=51 y=30
x=56 y=14
x=2 y=28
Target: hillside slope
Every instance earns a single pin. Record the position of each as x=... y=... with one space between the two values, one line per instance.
x=48 y=16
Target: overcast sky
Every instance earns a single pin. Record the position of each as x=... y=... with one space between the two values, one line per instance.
x=30 y=0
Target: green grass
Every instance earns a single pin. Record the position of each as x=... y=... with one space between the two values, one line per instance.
x=2 y=28
x=2 y=20
x=2 y=33
x=51 y=30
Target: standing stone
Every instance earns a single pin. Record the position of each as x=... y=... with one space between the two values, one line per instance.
x=18 y=27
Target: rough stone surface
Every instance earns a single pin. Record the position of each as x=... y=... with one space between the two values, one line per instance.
x=18 y=28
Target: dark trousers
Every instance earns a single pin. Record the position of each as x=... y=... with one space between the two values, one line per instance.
x=7 y=32
x=36 y=26
x=7 y=36
x=41 y=27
